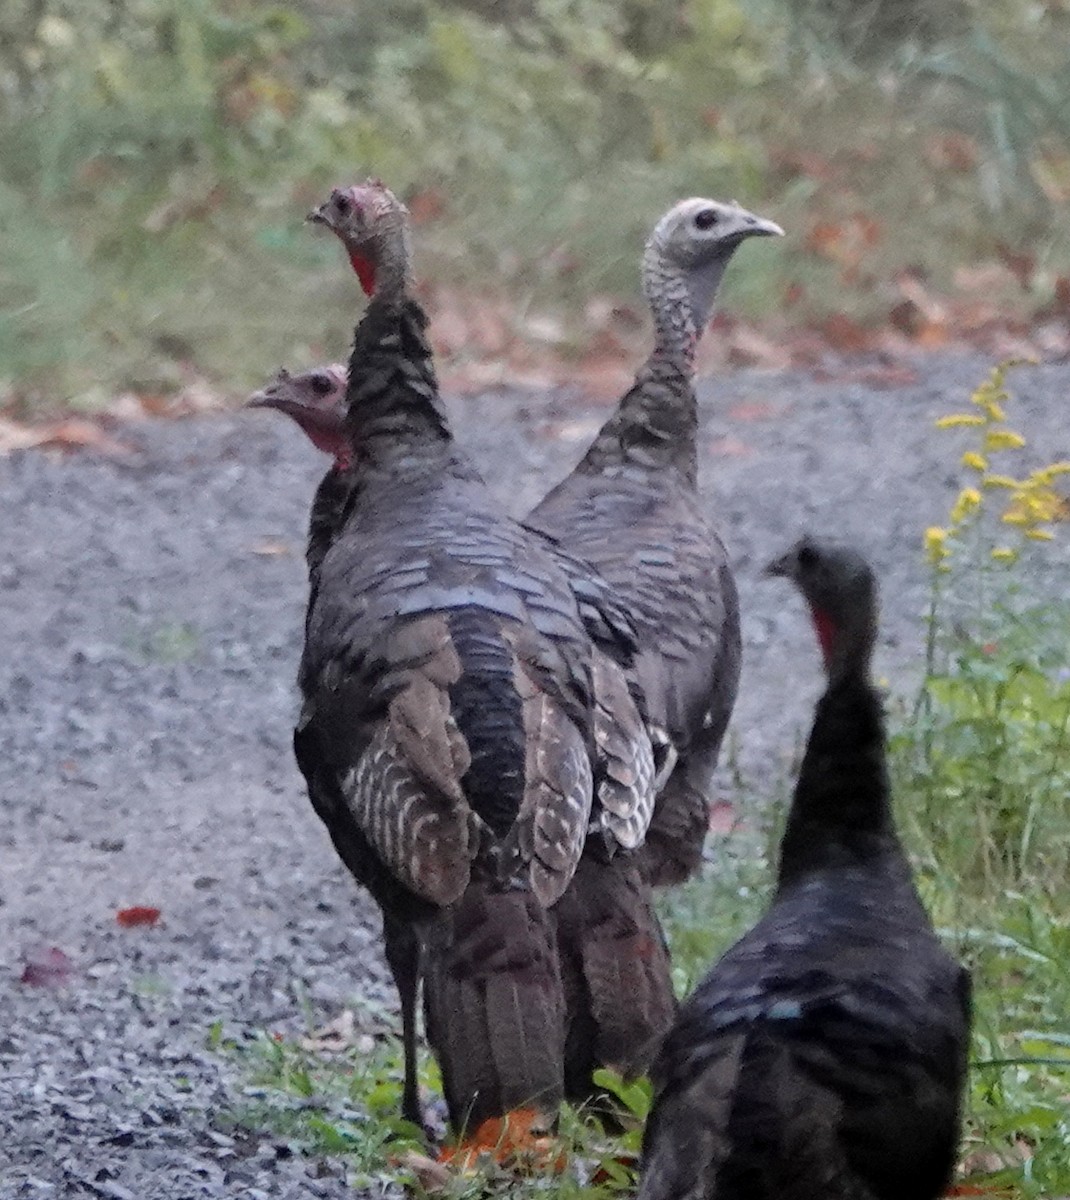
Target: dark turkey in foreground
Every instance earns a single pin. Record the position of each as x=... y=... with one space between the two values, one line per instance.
x=825 y=1054
x=631 y=508
x=452 y=695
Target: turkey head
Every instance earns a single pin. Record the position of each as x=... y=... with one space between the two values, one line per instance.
x=839 y=586
x=373 y=225
x=315 y=399
x=685 y=260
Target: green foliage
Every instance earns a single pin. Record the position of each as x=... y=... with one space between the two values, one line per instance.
x=982 y=780
x=158 y=156
x=331 y=1104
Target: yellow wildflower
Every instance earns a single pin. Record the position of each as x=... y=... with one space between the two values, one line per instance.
x=1016 y=516
x=1003 y=481
x=955 y=420
x=1038 y=504
x=1003 y=439
x=975 y=461
x=1040 y=535
x=1004 y=554
x=968 y=499
x=993 y=410
x=1045 y=475
x=936 y=544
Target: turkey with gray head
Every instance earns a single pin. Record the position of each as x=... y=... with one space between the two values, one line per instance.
x=452 y=698
x=631 y=509
x=825 y=1053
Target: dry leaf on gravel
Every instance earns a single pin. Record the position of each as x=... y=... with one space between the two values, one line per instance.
x=138 y=914
x=338 y=1035
x=271 y=548
x=46 y=966
x=74 y=433
x=432 y=1176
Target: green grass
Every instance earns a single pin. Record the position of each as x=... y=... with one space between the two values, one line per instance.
x=157 y=160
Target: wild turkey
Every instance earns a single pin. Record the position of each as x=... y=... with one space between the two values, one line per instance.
x=631 y=509
x=825 y=1054
x=616 y=971
x=452 y=697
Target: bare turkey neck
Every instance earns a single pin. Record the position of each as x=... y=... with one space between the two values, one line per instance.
x=681 y=302
x=392 y=264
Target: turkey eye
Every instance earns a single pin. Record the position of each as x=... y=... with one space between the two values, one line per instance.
x=342 y=204
x=705 y=219
x=807 y=557
x=321 y=385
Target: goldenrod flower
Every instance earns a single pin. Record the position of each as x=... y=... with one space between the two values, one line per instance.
x=1002 y=481
x=968 y=499
x=936 y=544
x=1003 y=439
x=994 y=411
x=955 y=420
x=975 y=461
x=1004 y=554
x=1016 y=516
x=1045 y=475
x=1040 y=535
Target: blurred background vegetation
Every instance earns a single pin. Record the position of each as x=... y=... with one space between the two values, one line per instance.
x=157 y=158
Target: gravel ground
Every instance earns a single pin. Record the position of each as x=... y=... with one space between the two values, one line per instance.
x=150 y=616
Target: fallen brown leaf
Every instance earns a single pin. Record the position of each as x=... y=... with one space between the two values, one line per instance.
x=271 y=548
x=74 y=433
x=338 y=1035
x=754 y=410
x=432 y=1176
x=139 y=914
x=46 y=967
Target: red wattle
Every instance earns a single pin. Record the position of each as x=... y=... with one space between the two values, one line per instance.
x=365 y=271
x=825 y=628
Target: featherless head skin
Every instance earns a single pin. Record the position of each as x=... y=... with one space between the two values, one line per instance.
x=373 y=225
x=684 y=261
x=315 y=399
x=841 y=590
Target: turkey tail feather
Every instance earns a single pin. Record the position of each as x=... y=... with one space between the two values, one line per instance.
x=494 y=1003
x=617 y=972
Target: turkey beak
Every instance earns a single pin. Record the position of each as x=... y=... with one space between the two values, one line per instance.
x=779 y=568
x=760 y=227
x=318 y=217
x=262 y=399
x=751 y=226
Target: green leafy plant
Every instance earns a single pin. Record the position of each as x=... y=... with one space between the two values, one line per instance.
x=983 y=785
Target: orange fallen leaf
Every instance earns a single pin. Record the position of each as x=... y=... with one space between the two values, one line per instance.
x=139 y=914
x=518 y=1140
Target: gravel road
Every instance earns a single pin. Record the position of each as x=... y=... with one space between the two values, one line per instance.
x=150 y=615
